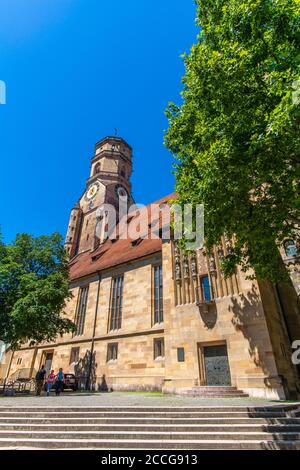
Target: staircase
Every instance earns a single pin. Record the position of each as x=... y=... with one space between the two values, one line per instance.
x=211 y=427
x=215 y=391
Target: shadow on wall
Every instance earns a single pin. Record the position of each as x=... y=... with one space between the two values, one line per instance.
x=209 y=315
x=103 y=387
x=248 y=318
x=85 y=371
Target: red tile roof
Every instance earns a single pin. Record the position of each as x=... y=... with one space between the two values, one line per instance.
x=119 y=251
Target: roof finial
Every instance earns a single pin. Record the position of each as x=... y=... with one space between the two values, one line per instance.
x=116 y=131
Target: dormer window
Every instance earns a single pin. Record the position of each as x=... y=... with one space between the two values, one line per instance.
x=137 y=241
x=290 y=248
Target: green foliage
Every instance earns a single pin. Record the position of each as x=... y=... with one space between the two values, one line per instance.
x=236 y=134
x=33 y=289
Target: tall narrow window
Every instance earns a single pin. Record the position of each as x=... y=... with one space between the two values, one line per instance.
x=159 y=348
x=74 y=356
x=180 y=354
x=97 y=168
x=205 y=286
x=158 y=316
x=112 y=352
x=81 y=310
x=116 y=301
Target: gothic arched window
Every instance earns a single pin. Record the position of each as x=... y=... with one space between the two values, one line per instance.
x=97 y=168
x=290 y=248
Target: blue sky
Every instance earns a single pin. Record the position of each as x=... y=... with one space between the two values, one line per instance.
x=75 y=70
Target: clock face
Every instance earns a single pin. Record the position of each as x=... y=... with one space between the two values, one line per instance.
x=121 y=191
x=92 y=191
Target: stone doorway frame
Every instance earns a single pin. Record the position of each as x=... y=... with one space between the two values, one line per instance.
x=201 y=359
x=44 y=355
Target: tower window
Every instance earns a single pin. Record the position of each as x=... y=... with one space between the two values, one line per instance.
x=158 y=312
x=159 y=348
x=290 y=248
x=97 y=168
x=116 y=301
x=81 y=310
x=205 y=288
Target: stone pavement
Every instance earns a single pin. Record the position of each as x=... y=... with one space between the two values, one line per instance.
x=129 y=399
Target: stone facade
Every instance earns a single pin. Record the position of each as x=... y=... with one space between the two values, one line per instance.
x=203 y=313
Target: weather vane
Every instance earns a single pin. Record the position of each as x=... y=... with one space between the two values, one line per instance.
x=116 y=131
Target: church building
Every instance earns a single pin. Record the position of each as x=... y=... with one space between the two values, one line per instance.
x=152 y=317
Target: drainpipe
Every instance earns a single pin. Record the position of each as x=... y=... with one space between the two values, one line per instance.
x=88 y=381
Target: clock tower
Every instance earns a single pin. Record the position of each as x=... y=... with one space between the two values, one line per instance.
x=111 y=168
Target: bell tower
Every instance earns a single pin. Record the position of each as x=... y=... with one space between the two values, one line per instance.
x=110 y=172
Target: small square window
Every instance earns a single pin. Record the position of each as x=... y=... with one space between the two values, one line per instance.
x=180 y=354
x=112 y=352
x=159 y=348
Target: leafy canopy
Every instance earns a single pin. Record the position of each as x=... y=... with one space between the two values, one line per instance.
x=236 y=134
x=33 y=290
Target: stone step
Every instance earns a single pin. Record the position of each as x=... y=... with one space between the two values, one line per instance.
x=215 y=387
x=143 y=421
x=215 y=391
x=74 y=444
x=221 y=392
x=150 y=428
x=134 y=414
x=191 y=393
x=145 y=409
x=148 y=435
x=238 y=428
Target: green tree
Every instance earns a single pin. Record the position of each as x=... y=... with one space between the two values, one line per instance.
x=236 y=135
x=33 y=290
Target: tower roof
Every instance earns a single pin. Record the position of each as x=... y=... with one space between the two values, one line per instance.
x=112 y=137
